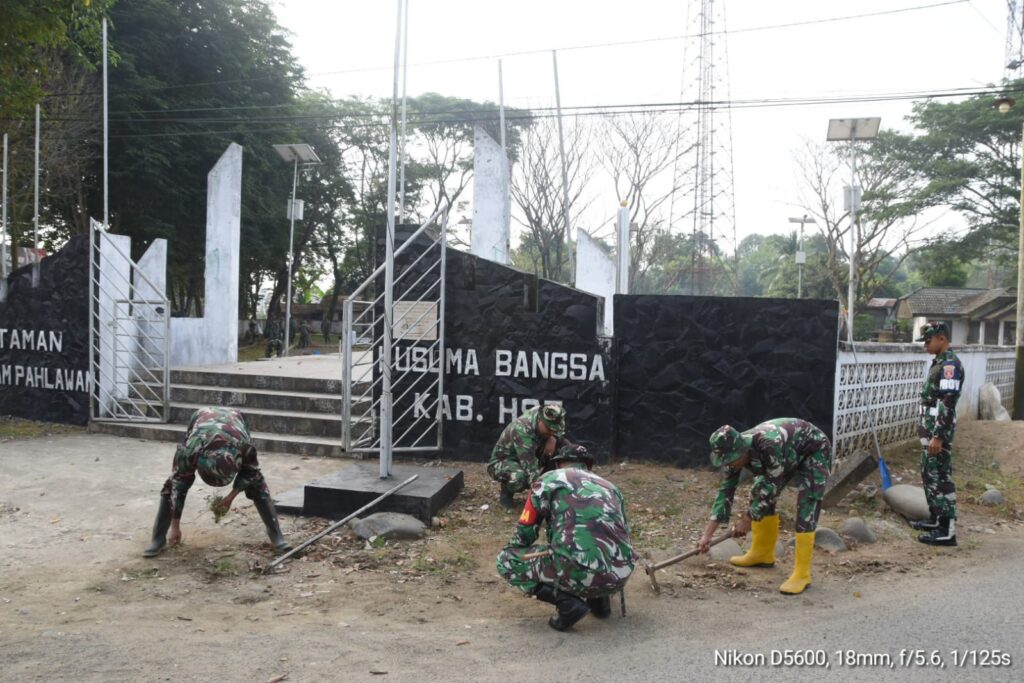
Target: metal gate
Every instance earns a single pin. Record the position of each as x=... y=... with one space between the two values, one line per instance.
x=129 y=328
x=414 y=413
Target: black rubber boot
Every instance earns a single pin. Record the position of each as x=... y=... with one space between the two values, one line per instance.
x=160 y=527
x=925 y=524
x=600 y=607
x=570 y=608
x=506 y=500
x=268 y=514
x=944 y=534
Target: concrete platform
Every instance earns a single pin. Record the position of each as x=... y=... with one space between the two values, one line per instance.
x=347 y=490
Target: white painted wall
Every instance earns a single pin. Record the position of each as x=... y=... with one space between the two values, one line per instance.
x=595 y=273
x=150 y=284
x=491 y=199
x=117 y=331
x=213 y=339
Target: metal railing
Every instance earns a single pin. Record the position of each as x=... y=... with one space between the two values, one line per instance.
x=129 y=332
x=417 y=365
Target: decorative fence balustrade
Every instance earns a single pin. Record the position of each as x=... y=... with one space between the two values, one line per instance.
x=878 y=387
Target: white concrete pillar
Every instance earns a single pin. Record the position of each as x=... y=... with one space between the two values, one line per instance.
x=491 y=199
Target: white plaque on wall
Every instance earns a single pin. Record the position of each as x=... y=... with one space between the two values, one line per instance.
x=415 y=320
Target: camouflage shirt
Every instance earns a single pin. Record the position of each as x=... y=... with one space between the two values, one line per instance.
x=587 y=531
x=213 y=428
x=520 y=442
x=778 y=447
x=939 y=396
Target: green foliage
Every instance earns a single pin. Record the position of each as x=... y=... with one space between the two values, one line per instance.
x=32 y=28
x=938 y=265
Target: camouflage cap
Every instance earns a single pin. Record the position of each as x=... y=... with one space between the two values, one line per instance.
x=217 y=467
x=726 y=445
x=553 y=416
x=573 y=453
x=932 y=328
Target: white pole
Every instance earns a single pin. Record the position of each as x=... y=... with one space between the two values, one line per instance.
x=291 y=262
x=852 y=290
x=106 y=133
x=623 y=250
x=35 y=214
x=405 y=74
x=3 y=231
x=501 y=110
x=389 y=273
x=565 y=175
x=800 y=265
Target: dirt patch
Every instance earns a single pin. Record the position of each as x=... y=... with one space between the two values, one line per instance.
x=75 y=513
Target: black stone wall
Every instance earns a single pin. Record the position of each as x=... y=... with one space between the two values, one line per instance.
x=687 y=365
x=495 y=313
x=59 y=304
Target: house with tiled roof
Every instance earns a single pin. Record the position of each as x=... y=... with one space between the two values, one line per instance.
x=974 y=315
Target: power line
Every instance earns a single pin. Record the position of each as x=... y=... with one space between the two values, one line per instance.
x=521 y=53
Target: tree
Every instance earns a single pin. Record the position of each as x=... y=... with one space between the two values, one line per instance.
x=639 y=152
x=537 y=193
x=888 y=225
x=34 y=28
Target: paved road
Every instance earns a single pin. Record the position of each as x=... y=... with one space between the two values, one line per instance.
x=973 y=610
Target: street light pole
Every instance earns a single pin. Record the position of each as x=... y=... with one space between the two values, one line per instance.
x=801 y=257
x=291 y=261
x=852 y=130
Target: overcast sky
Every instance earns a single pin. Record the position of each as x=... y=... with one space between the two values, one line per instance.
x=347 y=46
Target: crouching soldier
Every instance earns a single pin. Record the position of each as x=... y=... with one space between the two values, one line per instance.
x=217 y=446
x=524 y=447
x=589 y=555
x=777 y=452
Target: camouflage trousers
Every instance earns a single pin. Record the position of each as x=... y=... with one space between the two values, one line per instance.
x=255 y=487
x=809 y=478
x=512 y=474
x=274 y=346
x=937 y=478
x=526 y=575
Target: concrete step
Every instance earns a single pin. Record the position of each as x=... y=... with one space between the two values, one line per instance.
x=263 y=441
x=278 y=421
x=309 y=385
x=257 y=399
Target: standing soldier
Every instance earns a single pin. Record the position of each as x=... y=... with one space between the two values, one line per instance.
x=936 y=428
x=217 y=445
x=523 y=447
x=777 y=452
x=589 y=555
x=325 y=328
x=304 y=335
x=275 y=344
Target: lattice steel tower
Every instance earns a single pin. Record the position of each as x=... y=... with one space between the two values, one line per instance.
x=706 y=205
x=1014 y=59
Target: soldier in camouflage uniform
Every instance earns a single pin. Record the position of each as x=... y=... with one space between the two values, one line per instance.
x=217 y=445
x=936 y=429
x=589 y=554
x=275 y=338
x=778 y=452
x=524 y=447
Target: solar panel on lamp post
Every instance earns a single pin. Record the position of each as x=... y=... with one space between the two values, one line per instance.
x=297 y=153
x=851 y=130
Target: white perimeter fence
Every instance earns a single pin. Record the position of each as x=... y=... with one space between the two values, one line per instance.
x=878 y=385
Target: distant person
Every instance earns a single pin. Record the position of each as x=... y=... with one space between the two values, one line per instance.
x=253 y=333
x=778 y=452
x=589 y=554
x=305 y=340
x=275 y=345
x=218 y=446
x=524 y=446
x=936 y=428
x=325 y=328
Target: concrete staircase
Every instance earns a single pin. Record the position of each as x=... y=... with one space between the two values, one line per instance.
x=299 y=415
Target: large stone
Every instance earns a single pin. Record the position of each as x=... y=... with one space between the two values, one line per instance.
x=908 y=501
x=726 y=549
x=990 y=404
x=858 y=531
x=992 y=497
x=392 y=525
x=827 y=539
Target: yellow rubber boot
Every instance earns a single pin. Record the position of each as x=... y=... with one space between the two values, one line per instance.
x=801 y=576
x=762 y=546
